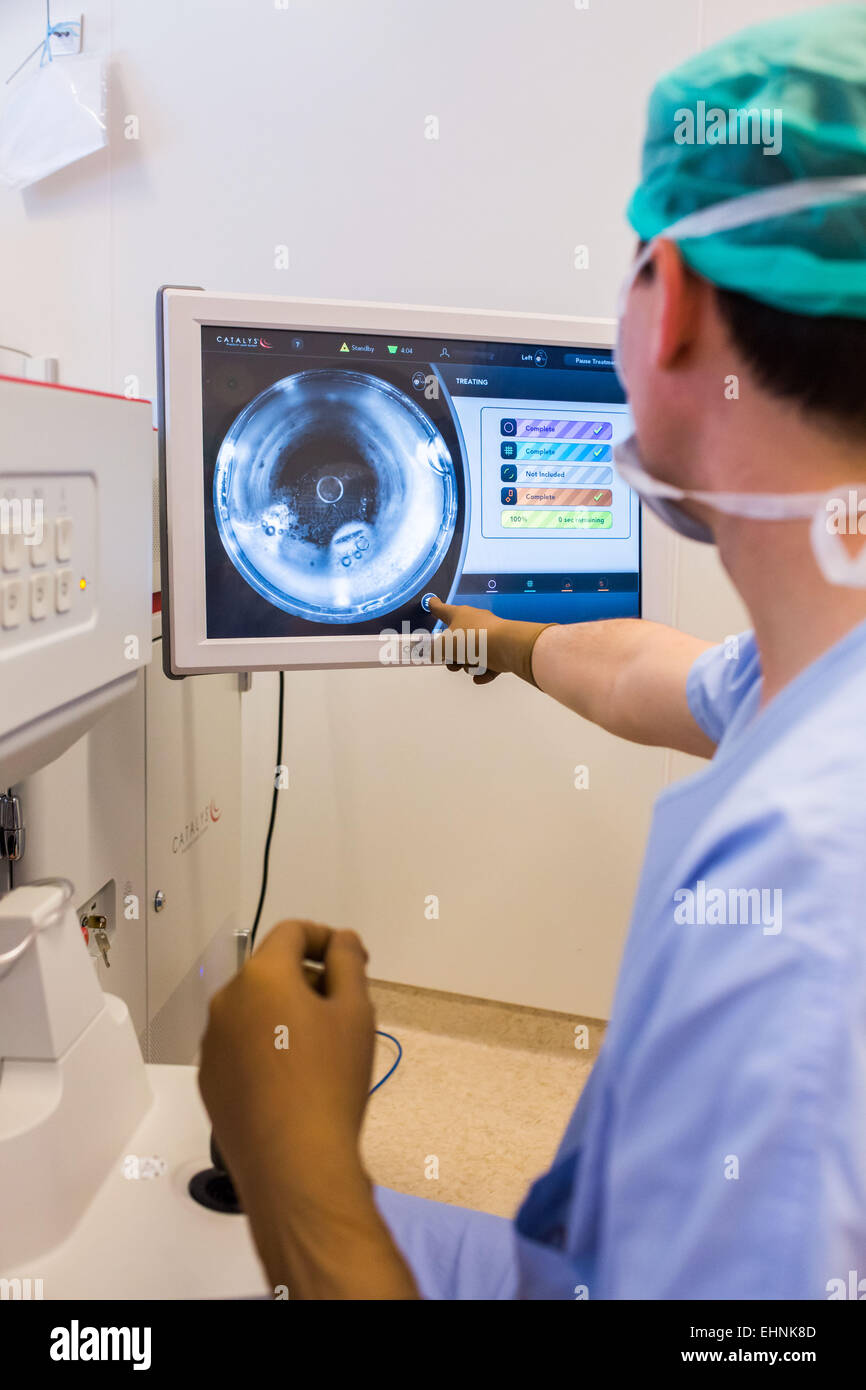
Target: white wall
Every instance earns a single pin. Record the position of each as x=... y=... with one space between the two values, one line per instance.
x=304 y=126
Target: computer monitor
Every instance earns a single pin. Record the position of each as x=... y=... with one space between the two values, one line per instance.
x=327 y=466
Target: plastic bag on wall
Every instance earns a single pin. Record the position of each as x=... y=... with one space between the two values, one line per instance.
x=53 y=117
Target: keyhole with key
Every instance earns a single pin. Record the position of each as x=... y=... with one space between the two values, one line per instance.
x=96 y=926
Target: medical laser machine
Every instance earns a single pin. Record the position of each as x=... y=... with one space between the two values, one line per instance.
x=96 y=1149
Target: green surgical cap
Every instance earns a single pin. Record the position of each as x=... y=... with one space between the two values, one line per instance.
x=807 y=75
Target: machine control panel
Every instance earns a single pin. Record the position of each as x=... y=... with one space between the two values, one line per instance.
x=48 y=550
x=76 y=471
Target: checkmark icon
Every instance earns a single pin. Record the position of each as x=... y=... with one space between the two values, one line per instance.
x=598 y=429
x=597 y=496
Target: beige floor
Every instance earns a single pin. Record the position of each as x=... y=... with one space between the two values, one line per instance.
x=484 y=1089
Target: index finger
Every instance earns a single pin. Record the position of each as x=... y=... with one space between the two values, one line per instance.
x=443 y=611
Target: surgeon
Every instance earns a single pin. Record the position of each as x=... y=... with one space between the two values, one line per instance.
x=719 y=1147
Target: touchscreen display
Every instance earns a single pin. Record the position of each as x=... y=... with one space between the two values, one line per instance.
x=347 y=477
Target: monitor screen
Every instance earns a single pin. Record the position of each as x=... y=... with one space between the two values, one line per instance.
x=347 y=476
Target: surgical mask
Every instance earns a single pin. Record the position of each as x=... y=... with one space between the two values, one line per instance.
x=821 y=508
x=836 y=565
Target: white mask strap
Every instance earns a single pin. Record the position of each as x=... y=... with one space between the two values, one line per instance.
x=756 y=506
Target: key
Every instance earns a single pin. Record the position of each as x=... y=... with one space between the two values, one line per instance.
x=96 y=926
x=100 y=936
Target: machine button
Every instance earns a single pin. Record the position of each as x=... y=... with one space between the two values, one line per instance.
x=63 y=538
x=12 y=602
x=40 y=596
x=63 y=591
x=40 y=554
x=11 y=551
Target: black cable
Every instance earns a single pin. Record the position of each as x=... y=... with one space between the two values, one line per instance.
x=273 y=818
x=215 y=1155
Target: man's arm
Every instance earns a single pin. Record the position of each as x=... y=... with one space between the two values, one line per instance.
x=625 y=674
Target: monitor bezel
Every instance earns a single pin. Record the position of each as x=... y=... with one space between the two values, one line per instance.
x=181 y=314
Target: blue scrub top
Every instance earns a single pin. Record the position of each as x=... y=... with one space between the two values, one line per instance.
x=719 y=1147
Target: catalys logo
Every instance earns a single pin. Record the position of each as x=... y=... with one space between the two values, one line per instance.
x=190 y=833
x=232 y=340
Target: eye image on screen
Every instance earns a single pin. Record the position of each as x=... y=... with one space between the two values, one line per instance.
x=335 y=495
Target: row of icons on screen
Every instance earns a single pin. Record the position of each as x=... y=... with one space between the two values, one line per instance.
x=536 y=357
x=565 y=586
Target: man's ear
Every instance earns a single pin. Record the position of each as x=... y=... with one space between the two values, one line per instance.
x=678 y=293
